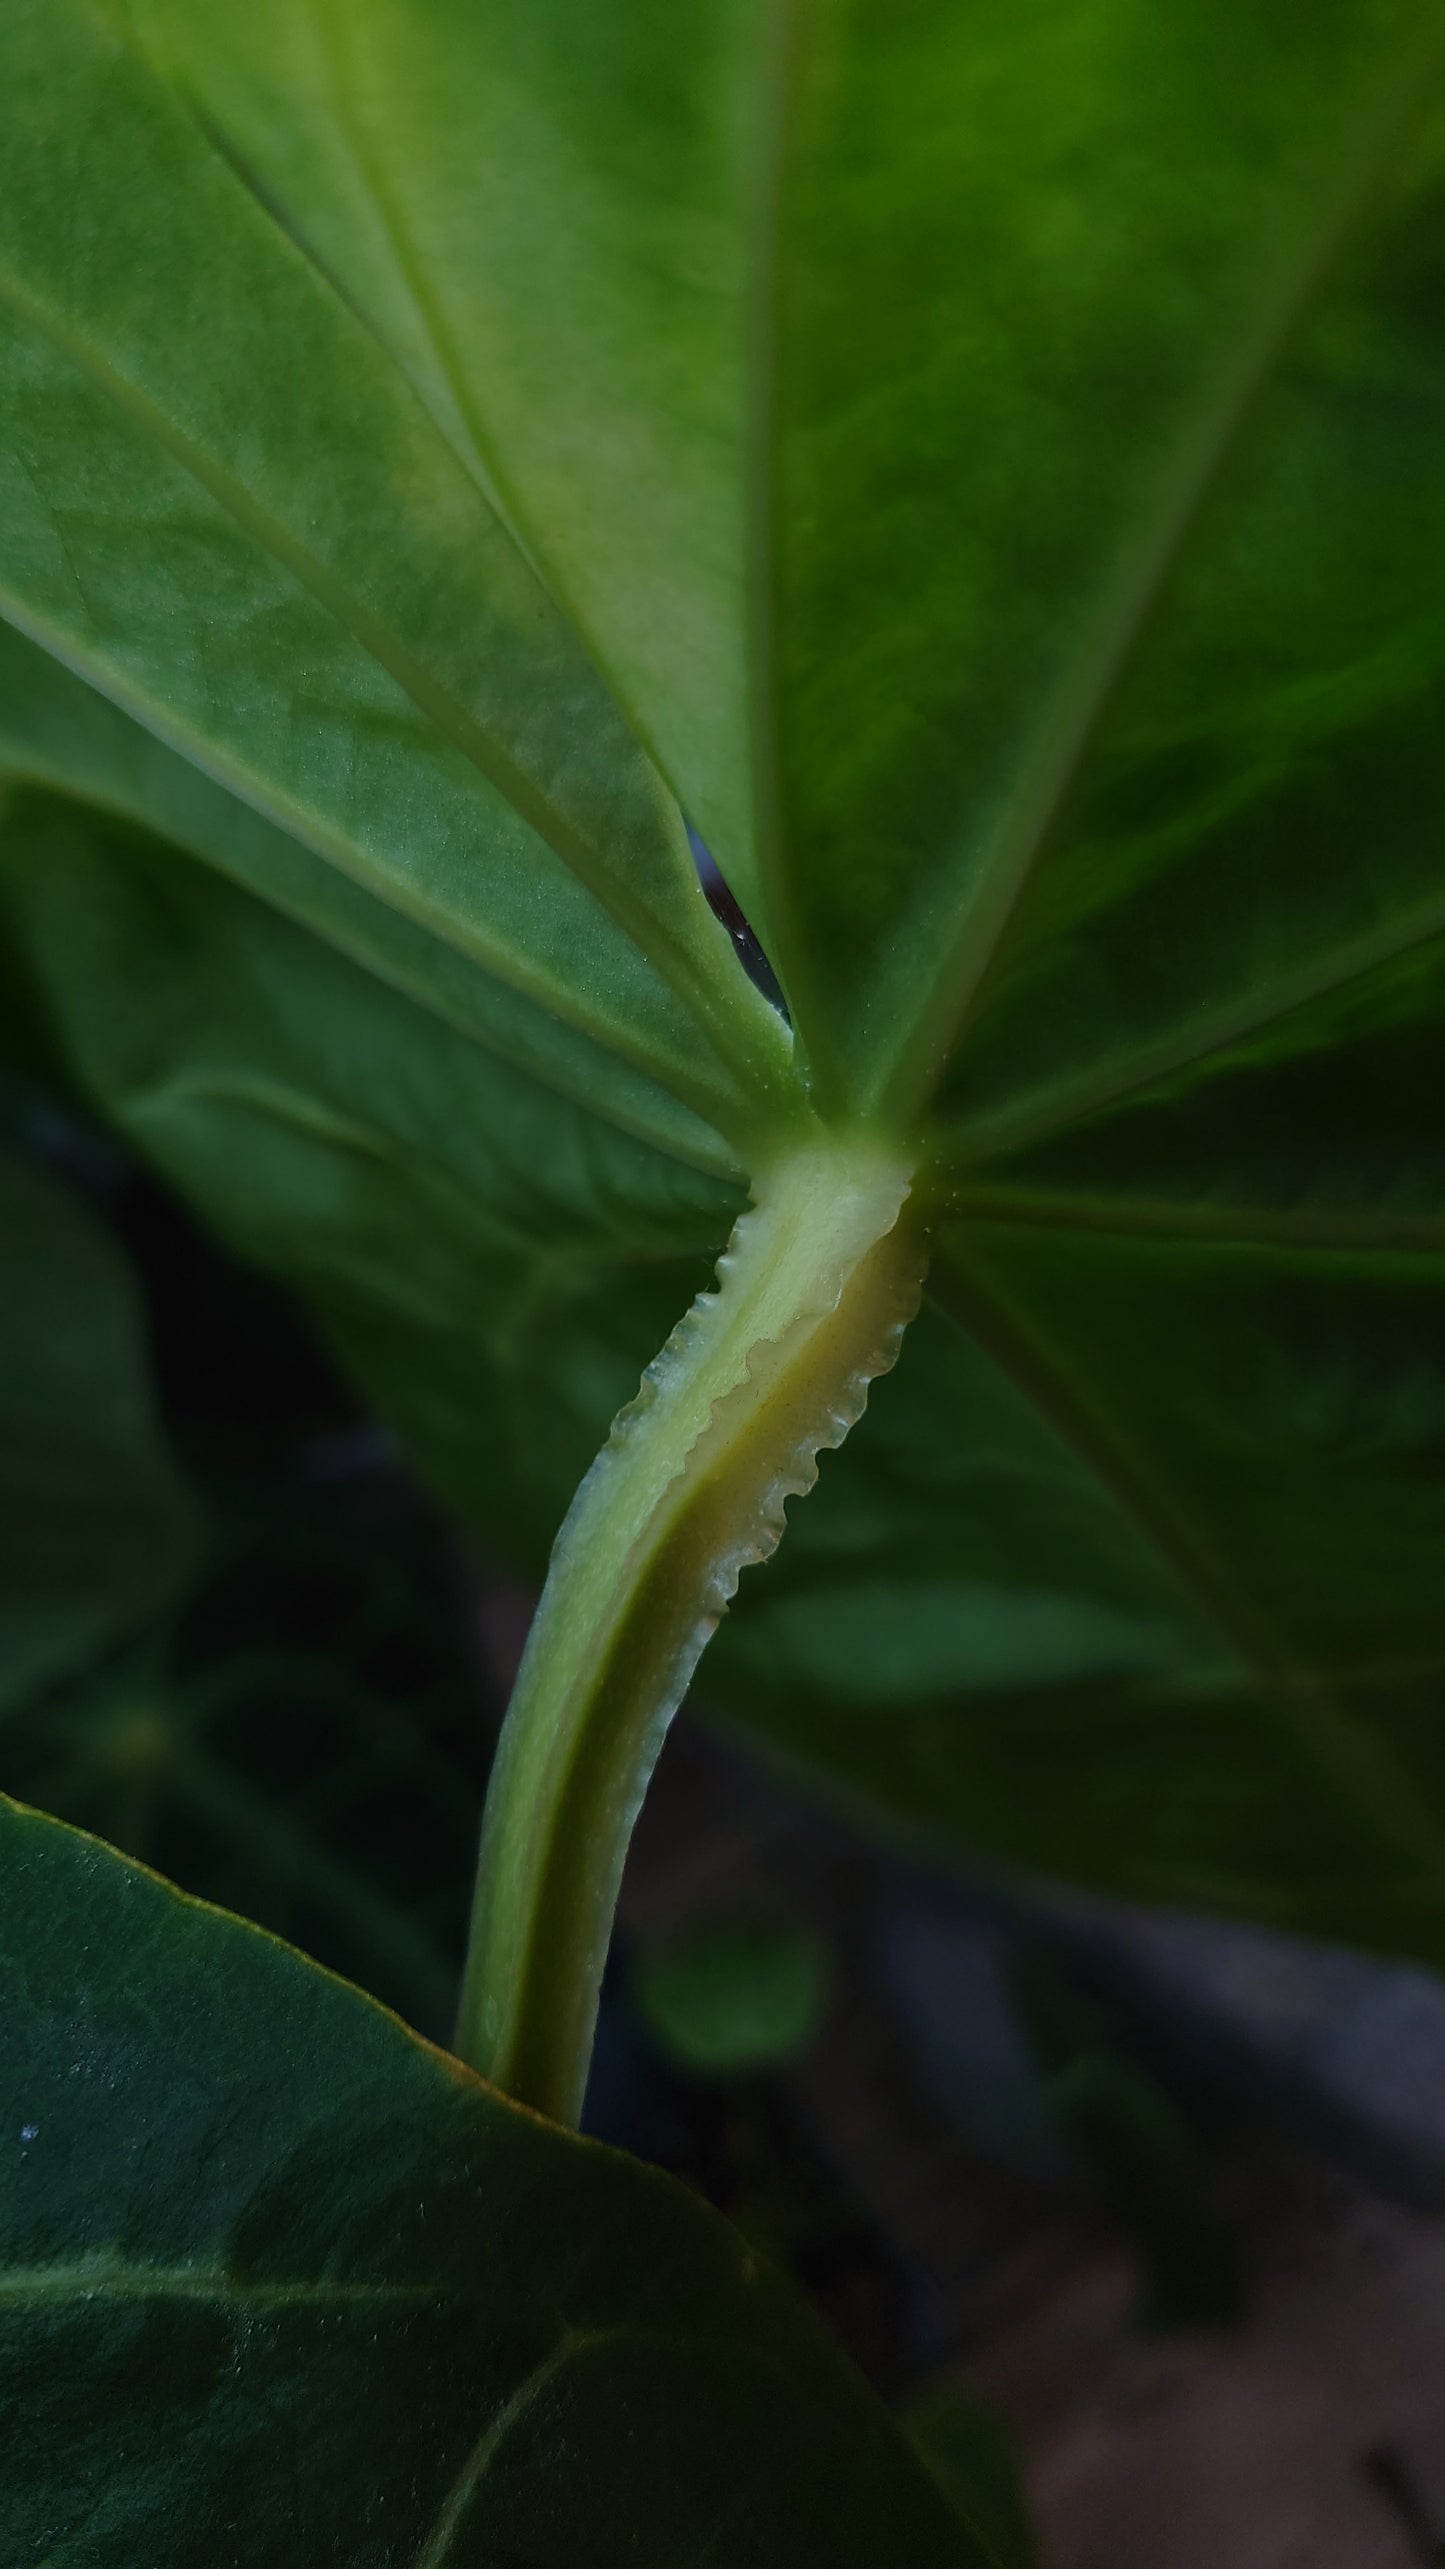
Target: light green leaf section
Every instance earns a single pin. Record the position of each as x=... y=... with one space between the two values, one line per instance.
x=1049 y=298
x=97 y=1529
x=225 y=506
x=1245 y=854
x=55 y=731
x=993 y=465
x=972 y=2457
x=543 y=212
x=361 y=2308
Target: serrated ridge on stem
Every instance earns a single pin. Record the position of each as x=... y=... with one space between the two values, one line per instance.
x=766 y=1371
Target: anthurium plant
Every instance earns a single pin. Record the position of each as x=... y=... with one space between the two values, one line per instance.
x=978 y=473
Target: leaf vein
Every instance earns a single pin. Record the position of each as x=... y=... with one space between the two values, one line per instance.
x=1353 y=1763
x=656 y=941
x=1055 y=1110
x=103 y=2276
x=1093 y=679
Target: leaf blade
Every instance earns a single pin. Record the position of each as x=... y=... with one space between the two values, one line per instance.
x=358 y=2230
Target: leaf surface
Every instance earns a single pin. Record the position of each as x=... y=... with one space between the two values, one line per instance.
x=97 y=1529
x=995 y=468
x=1103 y=516
x=361 y=2308
x=543 y=212
x=968 y=2450
x=225 y=507
x=1058 y=1600
x=435 y=1206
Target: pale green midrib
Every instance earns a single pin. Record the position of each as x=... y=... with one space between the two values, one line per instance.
x=1045 y=1114
x=1350 y=1761
x=1330 y=1229
x=1091 y=686
x=558 y=996
x=658 y=1134
x=101 y=2276
x=655 y=938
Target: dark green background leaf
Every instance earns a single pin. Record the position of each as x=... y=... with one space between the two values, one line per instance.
x=281 y=2284
x=543 y=213
x=97 y=1530
x=971 y=2457
x=1013 y=445
x=56 y=731
x=226 y=508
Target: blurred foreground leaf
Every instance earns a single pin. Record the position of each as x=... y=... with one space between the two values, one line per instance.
x=280 y=2284
x=973 y=2460
x=733 y=1991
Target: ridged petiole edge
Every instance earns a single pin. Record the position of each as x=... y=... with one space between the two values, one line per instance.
x=821 y=1276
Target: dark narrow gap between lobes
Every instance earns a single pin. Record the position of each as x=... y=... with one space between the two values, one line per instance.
x=725 y=905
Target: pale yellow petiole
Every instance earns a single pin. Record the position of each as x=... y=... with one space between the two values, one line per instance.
x=817 y=1284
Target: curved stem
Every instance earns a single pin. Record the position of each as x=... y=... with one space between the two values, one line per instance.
x=818 y=1282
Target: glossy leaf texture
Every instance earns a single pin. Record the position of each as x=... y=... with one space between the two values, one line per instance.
x=97 y=1528
x=362 y=2308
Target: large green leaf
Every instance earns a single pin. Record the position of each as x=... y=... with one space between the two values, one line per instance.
x=969 y=2452
x=439 y=1208
x=226 y=507
x=281 y=2285
x=1037 y=425
x=997 y=1618
x=1033 y=1604
x=542 y=212
x=97 y=1529
x=55 y=730
x=1107 y=396
x=1015 y=445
